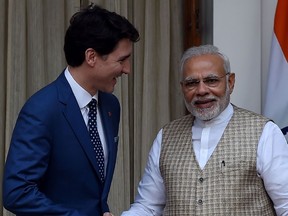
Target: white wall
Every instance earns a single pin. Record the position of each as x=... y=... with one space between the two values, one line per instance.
x=243 y=30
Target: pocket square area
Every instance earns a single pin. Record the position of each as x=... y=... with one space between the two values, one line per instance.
x=116 y=139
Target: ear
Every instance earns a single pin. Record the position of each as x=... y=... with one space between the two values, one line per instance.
x=90 y=57
x=231 y=82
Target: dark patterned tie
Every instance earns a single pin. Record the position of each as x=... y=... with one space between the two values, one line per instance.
x=95 y=138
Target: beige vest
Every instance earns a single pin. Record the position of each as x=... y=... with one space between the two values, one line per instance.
x=228 y=184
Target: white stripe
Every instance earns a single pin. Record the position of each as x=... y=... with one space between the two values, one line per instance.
x=276 y=104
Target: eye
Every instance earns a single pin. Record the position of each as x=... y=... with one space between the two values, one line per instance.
x=191 y=83
x=212 y=81
x=124 y=59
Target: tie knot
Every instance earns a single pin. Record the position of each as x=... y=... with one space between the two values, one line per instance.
x=92 y=104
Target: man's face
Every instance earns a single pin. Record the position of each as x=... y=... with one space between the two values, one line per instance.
x=206 y=86
x=108 y=68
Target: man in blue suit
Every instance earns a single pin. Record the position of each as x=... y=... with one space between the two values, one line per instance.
x=51 y=167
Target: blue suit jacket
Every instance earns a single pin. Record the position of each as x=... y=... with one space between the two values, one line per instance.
x=51 y=167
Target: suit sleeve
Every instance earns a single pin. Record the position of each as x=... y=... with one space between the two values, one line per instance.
x=26 y=163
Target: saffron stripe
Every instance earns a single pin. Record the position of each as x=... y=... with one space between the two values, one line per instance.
x=281 y=26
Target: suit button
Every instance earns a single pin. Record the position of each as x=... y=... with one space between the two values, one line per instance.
x=201 y=180
x=200 y=202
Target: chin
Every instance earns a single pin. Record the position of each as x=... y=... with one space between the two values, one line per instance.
x=110 y=90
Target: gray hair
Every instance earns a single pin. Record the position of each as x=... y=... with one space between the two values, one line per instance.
x=203 y=50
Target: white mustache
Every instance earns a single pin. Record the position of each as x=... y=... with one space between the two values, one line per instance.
x=203 y=100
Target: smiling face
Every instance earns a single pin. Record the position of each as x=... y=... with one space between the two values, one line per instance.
x=101 y=72
x=112 y=66
x=208 y=94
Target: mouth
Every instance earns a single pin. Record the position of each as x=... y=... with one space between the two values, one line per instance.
x=114 y=80
x=202 y=104
x=117 y=76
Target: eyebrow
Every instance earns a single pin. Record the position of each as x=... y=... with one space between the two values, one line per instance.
x=208 y=76
x=124 y=57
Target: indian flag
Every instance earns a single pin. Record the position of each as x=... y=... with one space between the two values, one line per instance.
x=276 y=104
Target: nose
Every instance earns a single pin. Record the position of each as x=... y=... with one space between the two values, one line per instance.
x=126 y=67
x=202 y=88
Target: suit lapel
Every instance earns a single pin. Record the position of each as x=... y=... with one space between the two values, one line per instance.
x=75 y=119
x=106 y=116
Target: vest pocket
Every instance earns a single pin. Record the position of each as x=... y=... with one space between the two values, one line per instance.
x=228 y=166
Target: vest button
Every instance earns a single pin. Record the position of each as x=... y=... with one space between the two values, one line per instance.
x=200 y=202
x=201 y=180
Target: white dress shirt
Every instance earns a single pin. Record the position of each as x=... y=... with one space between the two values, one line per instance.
x=272 y=165
x=83 y=98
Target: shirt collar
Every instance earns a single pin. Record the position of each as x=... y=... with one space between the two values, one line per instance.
x=82 y=96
